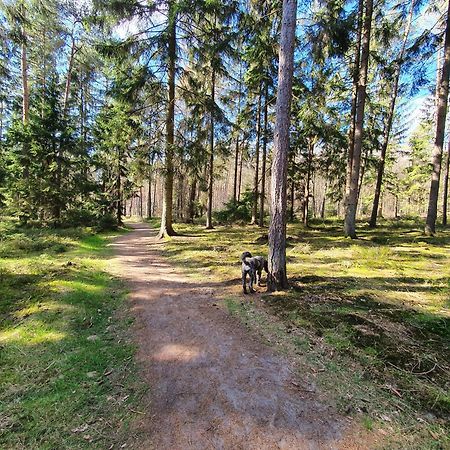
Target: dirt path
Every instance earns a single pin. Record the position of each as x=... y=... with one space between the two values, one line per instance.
x=213 y=386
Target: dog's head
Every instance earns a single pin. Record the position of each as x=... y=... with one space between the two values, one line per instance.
x=245 y=255
x=266 y=266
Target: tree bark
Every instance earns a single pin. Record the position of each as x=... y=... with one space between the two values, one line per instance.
x=149 y=196
x=191 y=205
x=430 y=226
x=167 y=209
x=352 y=189
x=277 y=278
x=73 y=51
x=236 y=153
x=307 y=192
x=264 y=156
x=291 y=209
x=445 y=199
x=351 y=134
x=25 y=97
x=256 y=177
x=209 y=224
x=389 y=121
x=236 y=166
x=119 y=191
x=240 y=172
x=25 y=89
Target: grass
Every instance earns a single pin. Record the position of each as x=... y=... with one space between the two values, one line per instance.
x=67 y=374
x=367 y=320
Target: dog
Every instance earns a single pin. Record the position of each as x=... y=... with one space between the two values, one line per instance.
x=253 y=267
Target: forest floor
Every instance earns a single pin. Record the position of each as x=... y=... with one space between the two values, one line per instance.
x=213 y=383
x=364 y=328
x=67 y=372
x=354 y=355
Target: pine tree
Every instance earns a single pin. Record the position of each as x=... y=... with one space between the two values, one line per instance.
x=277 y=278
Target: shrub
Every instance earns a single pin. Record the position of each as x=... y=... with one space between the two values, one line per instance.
x=80 y=217
x=239 y=211
x=107 y=222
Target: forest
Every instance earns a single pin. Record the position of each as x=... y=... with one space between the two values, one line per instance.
x=311 y=132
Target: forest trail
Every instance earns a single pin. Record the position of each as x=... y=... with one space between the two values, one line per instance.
x=211 y=384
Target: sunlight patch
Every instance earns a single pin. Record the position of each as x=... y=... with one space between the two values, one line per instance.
x=23 y=336
x=176 y=352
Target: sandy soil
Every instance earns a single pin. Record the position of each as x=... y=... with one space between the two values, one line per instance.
x=212 y=384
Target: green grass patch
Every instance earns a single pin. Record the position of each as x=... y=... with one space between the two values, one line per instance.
x=68 y=378
x=368 y=320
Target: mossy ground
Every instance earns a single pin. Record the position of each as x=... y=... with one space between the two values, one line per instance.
x=67 y=374
x=368 y=320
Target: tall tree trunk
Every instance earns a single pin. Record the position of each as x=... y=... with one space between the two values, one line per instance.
x=322 y=209
x=352 y=189
x=155 y=185
x=2 y=107
x=209 y=224
x=291 y=209
x=73 y=51
x=240 y=172
x=25 y=97
x=277 y=278
x=307 y=192
x=389 y=120
x=167 y=209
x=236 y=153
x=25 y=90
x=236 y=166
x=141 y=208
x=356 y=66
x=256 y=177
x=430 y=226
x=191 y=205
x=149 y=196
x=264 y=156
x=119 y=190
x=445 y=199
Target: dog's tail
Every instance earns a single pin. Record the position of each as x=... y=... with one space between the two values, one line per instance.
x=245 y=255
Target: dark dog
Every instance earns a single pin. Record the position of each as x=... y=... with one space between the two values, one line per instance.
x=253 y=267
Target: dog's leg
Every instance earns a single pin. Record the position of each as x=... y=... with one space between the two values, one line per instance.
x=244 y=279
x=252 y=280
x=259 y=276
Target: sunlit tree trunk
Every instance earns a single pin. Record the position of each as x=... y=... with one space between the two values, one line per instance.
x=25 y=96
x=236 y=169
x=241 y=161
x=351 y=134
x=307 y=191
x=167 y=209
x=430 y=226
x=277 y=278
x=352 y=190
x=236 y=152
x=209 y=224
x=264 y=156
x=119 y=188
x=149 y=196
x=389 y=121
x=445 y=197
x=256 y=177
